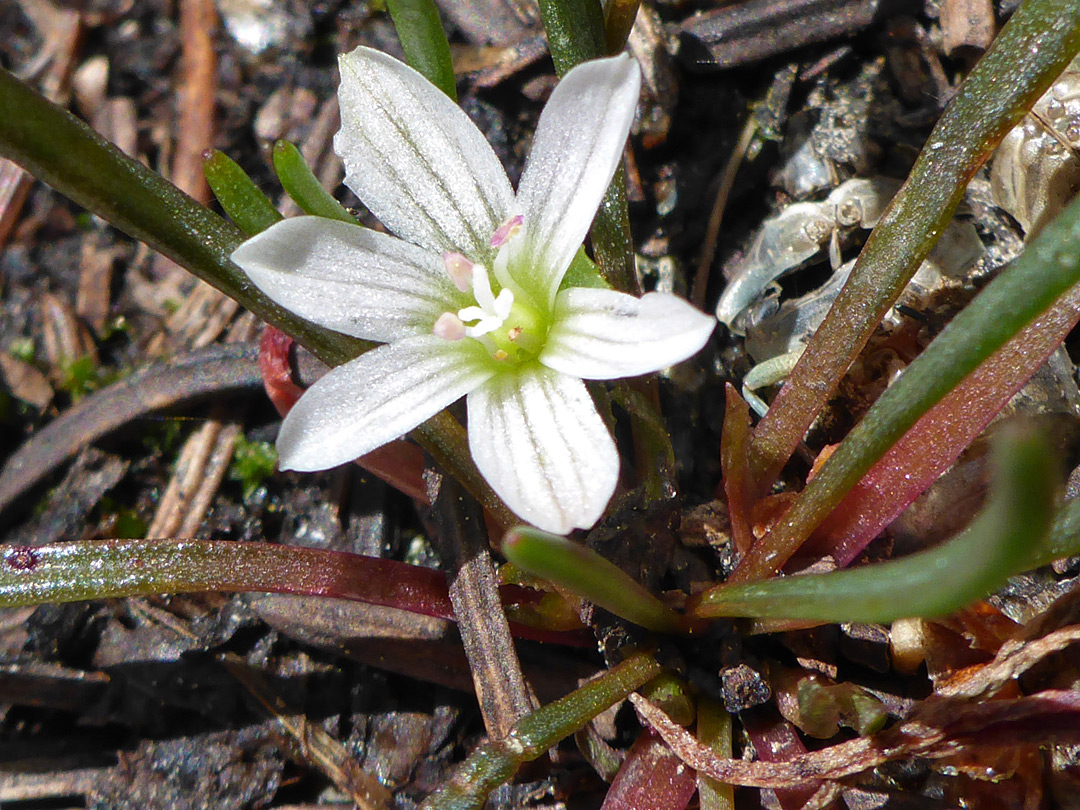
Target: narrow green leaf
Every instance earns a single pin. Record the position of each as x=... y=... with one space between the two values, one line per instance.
x=673 y=696
x=424 y=41
x=102 y=569
x=583 y=273
x=1043 y=273
x=1064 y=540
x=1031 y=50
x=575 y=32
x=304 y=187
x=1004 y=539
x=652 y=441
x=241 y=199
x=587 y=574
x=714 y=729
x=612 y=241
x=65 y=153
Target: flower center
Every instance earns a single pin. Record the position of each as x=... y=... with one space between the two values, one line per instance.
x=507 y=325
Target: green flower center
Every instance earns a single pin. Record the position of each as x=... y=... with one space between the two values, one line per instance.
x=520 y=337
x=507 y=324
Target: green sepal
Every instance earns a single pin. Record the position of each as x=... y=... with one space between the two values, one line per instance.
x=583 y=272
x=304 y=187
x=238 y=195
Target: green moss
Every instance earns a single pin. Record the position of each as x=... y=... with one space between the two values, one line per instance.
x=80 y=377
x=162 y=436
x=253 y=462
x=23 y=349
x=126 y=523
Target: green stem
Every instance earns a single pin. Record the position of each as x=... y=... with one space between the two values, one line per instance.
x=496 y=762
x=575 y=31
x=65 y=153
x=618 y=22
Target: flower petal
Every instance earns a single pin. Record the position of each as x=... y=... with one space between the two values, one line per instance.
x=538 y=440
x=604 y=334
x=415 y=159
x=379 y=396
x=349 y=279
x=578 y=144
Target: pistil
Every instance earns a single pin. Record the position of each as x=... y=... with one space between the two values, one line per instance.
x=509 y=327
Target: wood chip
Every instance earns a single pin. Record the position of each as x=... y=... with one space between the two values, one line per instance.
x=92 y=301
x=748 y=32
x=66 y=339
x=214 y=370
x=463 y=547
x=314 y=744
x=25 y=787
x=25 y=382
x=967 y=26
x=198 y=87
x=199 y=471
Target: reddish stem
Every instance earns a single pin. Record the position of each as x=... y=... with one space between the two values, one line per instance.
x=941 y=435
x=734 y=461
x=775 y=740
x=651 y=778
x=399 y=463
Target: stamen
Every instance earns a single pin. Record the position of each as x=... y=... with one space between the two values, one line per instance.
x=482 y=288
x=482 y=327
x=471 y=314
x=504 y=304
x=505 y=232
x=460 y=270
x=449 y=327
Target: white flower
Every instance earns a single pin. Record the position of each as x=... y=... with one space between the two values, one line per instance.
x=467 y=300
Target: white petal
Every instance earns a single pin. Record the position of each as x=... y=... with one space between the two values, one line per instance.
x=579 y=143
x=379 y=396
x=415 y=159
x=604 y=334
x=349 y=279
x=538 y=440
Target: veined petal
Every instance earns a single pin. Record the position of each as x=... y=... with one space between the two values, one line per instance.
x=415 y=159
x=603 y=334
x=538 y=440
x=382 y=394
x=349 y=279
x=578 y=144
